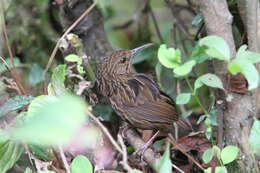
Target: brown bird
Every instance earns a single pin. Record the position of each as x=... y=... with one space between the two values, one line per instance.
x=134 y=96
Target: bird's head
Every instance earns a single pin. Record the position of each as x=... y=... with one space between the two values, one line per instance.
x=120 y=62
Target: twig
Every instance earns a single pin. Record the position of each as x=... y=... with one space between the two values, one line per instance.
x=124 y=161
x=104 y=129
x=178 y=22
x=64 y=35
x=64 y=160
x=155 y=22
x=13 y=70
x=177 y=168
x=174 y=143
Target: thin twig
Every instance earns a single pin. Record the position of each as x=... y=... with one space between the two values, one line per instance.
x=13 y=70
x=177 y=168
x=155 y=22
x=124 y=160
x=64 y=35
x=176 y=20
x=104 y=129
x=174 y=143
x=64 y=160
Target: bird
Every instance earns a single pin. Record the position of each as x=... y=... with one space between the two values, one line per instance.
x=136 y=97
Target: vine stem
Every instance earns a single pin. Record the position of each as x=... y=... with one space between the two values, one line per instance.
x=196 y=97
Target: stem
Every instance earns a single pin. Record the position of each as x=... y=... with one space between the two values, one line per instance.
x=196 y=97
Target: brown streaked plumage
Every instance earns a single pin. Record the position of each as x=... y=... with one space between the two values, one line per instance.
x=134 y=96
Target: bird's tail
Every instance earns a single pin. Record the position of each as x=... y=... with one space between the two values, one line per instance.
x=185 y=125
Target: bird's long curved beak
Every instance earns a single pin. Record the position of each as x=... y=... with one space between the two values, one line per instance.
x=135 y=50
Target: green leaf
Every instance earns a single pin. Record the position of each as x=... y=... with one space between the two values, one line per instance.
x=208 y=132
x=199 y=54
x=229 y=154
x=185 y=68
x=201 y=118
x=197 y=84
x=208 y=170
x=197 y=20
x=247 y=69
x=208 y=155
x=211 y=80
x=217 y=151
x=81 y=164
x=221 y=169
x=165 y=165
x=252 y=57
x=213 y=117
x=217 y=47
x=8 y=63
x=73 y=58
x=169 y=57
x=28 y=170
x=135 y=171
x=165 y=79
x=35 y=75
x=183 y=98
x=58 y=79
x=15 y=103
x=105 y=111
x=254 y=139
x=52 y=122
x=10 y=153
x=40 y=152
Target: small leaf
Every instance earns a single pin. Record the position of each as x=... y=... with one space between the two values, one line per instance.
x=169 y=57
x=165 y=165
x=247 y=69
x=208 y=170
x=208 y=133
x=185 y=69
x=254 y=139
x=217 y=47
x=40 y=152
x=199 y=54
x=73 y=58
x=217 y=151
x=252 y=57
x=35 y=75
x=201 y=118
x=211 y=80
x=58 y=79
x=229 y=154
x=213 y=117
x=183 y=98
x=81 y=164
x=10 y=152
x=197 y=20
x=15 y=103
x=221 y=169
x=135 y=171
x=28 y=170
x=197 y=84
x=53 y=122
x=208 y=155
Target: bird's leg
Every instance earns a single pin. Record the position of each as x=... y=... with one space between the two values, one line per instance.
x=141 y=150
x=123 y=129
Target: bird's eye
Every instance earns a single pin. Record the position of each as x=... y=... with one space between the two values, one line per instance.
x=123 y=60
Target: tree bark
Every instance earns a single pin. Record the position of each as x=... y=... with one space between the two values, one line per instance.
x=238 y=114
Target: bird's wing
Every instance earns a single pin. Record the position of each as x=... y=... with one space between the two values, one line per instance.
x=148 y=102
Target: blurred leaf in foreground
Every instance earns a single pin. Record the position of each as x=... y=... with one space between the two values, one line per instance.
x=51 y=122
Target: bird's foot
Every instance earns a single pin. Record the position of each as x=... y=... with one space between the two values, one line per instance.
x=123 y=129
x=143 y=148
